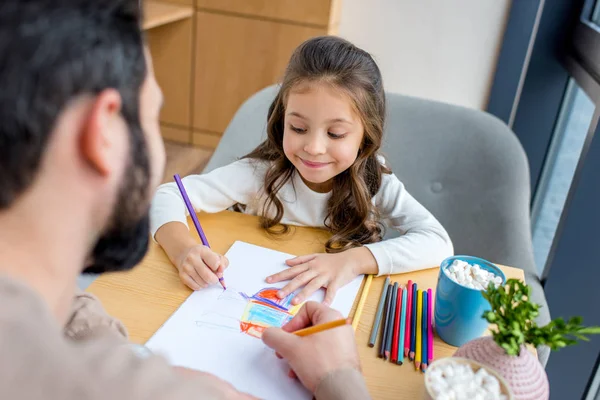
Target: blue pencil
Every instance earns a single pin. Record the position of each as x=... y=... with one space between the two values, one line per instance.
x=402 y=326
x=413 y=325
x=424 y=334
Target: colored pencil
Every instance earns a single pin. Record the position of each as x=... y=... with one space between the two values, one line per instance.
x=429 y=326
x=424 y=334
x=321 y=327
x=419 y=343
x=192 y=212
x=390 y=324
x=413 y=324
x=409 y=289
x=379 y=313
x=396 y=342
x=384 y=333
x=361 y=302
x=402 y=326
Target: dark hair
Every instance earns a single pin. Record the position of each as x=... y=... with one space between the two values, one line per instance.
x=52 y=51
x=351 y=216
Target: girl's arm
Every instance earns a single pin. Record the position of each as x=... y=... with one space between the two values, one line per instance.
x=424 y=243
x=215 y=191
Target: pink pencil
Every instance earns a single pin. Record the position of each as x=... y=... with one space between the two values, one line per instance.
x=429 y=328
x=408 y=316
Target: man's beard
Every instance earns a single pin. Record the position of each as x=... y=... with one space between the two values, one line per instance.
x=120 y=250
x=125 y=241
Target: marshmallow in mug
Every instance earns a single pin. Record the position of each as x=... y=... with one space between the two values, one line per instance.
x=458 y=381
x=471 y=276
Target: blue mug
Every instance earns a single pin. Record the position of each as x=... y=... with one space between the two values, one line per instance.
x=459 y=309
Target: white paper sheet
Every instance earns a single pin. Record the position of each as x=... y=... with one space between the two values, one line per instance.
x=205 y=333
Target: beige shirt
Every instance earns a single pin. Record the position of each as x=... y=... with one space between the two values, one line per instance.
x=89 y=359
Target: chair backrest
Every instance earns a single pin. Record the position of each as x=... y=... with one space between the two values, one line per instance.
x=464 y=165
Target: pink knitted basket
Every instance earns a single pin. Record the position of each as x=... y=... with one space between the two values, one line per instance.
x=524 y=373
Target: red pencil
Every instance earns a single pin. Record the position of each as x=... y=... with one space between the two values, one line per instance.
x=396 y=327
x=408 y=318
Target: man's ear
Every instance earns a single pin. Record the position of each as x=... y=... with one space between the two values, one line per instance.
x=102 y=136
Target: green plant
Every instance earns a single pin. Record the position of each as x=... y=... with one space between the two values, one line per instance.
x=514 y=316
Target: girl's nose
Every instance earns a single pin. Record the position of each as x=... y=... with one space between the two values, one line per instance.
x=315 y=144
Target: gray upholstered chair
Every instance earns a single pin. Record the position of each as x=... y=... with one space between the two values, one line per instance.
x=465 y=166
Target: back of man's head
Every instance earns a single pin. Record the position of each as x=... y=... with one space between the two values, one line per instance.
x=51 y=52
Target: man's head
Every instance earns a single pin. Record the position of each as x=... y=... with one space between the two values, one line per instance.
x=78 y=94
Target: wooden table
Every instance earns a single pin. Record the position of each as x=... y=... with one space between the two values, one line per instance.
x=145 y=297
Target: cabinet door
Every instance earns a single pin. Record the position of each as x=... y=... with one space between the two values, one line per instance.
x=310 y=12
x=182 y=2
x=171 y=49
x=236 y=57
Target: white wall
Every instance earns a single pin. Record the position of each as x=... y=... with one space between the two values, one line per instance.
x=438 y=49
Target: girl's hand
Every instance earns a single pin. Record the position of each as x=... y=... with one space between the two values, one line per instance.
x=199 y=266
x=331 y=271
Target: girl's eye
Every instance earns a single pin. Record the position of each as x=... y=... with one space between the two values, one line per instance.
x=335 y=135
x=297 y=130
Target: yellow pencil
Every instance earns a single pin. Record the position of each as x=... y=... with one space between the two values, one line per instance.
x=419 y=331
x=321 y=327
x=361 y=302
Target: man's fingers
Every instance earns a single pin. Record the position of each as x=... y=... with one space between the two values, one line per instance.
x=282 y=342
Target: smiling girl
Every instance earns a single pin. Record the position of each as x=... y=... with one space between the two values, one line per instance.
x=318 y=167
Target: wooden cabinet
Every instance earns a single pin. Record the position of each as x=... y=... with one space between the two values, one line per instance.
x=180 y=2
x=308 y=12
x=236 y=57
x=210 y=60
x=171 y=48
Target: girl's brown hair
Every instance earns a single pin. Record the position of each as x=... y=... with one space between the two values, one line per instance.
x=351 y=216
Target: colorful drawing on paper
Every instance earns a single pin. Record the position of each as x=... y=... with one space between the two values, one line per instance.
x=265 y=310
x=250 y=315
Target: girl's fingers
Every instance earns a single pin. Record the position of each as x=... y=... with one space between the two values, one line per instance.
x=211 y=259
x=296 y=283
x=189 y=282
x=300 y=260
x=314 y=285
x=287 y=274
x=332 y=289
x=222 y=266
x=206 y=274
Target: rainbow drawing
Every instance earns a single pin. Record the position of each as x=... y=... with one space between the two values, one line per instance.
x=264 y=309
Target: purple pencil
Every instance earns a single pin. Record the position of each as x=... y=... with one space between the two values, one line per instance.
x=192 y=212
x=429 y=328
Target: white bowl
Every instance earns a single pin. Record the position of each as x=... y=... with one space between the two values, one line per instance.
x=475 y=366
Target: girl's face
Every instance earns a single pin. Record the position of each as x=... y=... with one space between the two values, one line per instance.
x=322 y=134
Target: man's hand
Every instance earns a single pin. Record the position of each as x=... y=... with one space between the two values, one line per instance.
x=314 y=357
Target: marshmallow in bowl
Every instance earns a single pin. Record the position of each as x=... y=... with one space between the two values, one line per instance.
x=471 y=276
x=458 y=381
